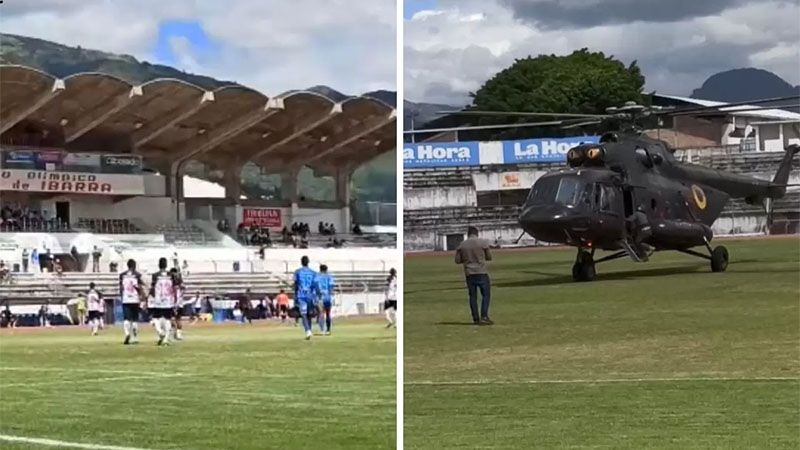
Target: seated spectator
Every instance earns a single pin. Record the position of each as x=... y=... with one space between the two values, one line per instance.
x=58 y=268
x=7 y=320
x=357 y=230
x=5 y=273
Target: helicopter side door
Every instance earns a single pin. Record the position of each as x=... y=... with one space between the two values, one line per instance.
x=610 y=203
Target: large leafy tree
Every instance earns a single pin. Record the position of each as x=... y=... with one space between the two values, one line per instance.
x=582 y=82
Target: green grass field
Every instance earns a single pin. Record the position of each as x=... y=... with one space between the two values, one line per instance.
x=224 y=387
x=662 y=354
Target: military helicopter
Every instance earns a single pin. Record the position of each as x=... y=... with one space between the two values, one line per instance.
x=628 y=194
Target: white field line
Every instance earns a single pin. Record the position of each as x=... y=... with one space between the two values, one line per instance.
x=62 y=444
x=68 y=370
x=86 y=380
x=589 y=381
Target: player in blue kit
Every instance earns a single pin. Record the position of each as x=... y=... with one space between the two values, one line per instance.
x=304 y=292
x=324 y=286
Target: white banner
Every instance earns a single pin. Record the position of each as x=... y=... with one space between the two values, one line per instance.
x=70 y=182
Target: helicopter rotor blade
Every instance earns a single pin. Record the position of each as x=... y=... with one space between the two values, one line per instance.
x=673 y=112
x=487 y=127
x=580 y=124
x=735 y=109
x=522 y=114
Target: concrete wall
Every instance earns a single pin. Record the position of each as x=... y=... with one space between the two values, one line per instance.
x=439 y=197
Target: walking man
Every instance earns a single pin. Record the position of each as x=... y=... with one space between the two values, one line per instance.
x=473 y=254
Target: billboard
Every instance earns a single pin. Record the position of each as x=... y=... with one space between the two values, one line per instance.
x=544 y=150
x=70 y=182
x=121 y=164
x=19 y=159
x=441 y=154
x=473 y=153
x=81 y=162
x=262 y=217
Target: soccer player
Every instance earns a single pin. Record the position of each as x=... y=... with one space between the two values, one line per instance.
x=130 y=291
x=390 y=305
x=304 y=293
x=161 y=307
x=177 y=324
x=283 y=304
x=94 y=301
x=325 y=285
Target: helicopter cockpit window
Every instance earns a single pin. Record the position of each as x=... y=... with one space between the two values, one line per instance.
x=607 y=197
x=573 y=192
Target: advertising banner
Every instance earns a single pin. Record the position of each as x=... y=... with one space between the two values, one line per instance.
x=81 y=162
x=441 y=154
x=49 y=160
x=510 y=180
x=19 y=159
x=528 y=151
x=121 y=164
x=262 y=217
x=70 y=182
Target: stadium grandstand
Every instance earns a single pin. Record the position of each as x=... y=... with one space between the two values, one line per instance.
x=94 y=172
x=448 y=184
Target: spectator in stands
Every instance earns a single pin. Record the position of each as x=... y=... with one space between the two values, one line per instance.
x=35 y=259
x=7 y=320
x=304 y=241
x=175 y=261
x=44 y=314
x=96 y=254
x=25 y=256
x=58 y=268
x=5 y=274
x=357 y=230
x=47 y=261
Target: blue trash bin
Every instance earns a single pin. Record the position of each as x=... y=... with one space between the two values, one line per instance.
x=218 y=315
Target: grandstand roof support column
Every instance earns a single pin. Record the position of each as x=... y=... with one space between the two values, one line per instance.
x=233 y=182
x=290 y=190
x=344 y=177
x=17 y=115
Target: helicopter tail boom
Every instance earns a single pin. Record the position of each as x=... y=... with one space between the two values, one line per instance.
x=778 y=187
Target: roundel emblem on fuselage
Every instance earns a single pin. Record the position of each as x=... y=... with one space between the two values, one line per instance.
x=699 y=196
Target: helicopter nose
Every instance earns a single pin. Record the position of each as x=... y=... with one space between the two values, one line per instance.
x=535 y=218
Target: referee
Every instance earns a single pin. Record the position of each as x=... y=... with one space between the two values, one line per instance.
x=473 y=254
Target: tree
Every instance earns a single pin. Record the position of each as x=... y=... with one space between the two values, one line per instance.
x=583 y=82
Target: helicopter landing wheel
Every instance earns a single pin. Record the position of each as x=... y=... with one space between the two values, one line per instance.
x=719 y=259
x=583 y=269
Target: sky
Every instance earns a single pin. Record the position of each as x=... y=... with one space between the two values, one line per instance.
x=453 y=46
x=269 y=45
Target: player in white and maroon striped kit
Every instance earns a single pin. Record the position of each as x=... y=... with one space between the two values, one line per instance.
x=162 y=301
x=94 y=303
x=130 y=291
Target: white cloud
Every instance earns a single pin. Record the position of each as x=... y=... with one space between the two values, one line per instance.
x=270 y=45
x=446 y=56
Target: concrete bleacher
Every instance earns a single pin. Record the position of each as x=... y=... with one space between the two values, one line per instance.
x=416 y=179
x=28 y=288
x=479 y=216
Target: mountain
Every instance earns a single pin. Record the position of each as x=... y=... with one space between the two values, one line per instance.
x=62 y=61
x=419 y=114
x=739 y=85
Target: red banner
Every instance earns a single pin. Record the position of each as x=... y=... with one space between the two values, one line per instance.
x=262 y=217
